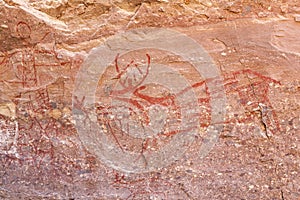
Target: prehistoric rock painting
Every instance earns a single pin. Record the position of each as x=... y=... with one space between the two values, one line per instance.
x=252 y=89
x=145 y=117
x=32 y=122
x=23 y=30
x=145 y=135
x=28 y=67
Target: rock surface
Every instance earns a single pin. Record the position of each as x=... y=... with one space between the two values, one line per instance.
x=51 y=49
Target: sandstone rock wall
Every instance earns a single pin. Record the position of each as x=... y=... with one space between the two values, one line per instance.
x=48 y=53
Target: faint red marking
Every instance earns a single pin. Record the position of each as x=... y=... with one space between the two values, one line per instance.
x=37 y=131
x=39 y=146
x=37 y=150
x=38 y=100
x=25 y=70
x=203 y=102
x=23 y=29
x=79 y=105
x=253 y=93
x=25 y=62
x=164 y=101
x=103 y=116
x=142 y=101
x=3 y=63
x=121 y=71
x=27 y=147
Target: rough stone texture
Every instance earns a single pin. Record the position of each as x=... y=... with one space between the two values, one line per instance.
x=255 y=45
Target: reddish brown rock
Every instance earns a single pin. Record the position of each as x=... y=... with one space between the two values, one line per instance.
x=48 y=53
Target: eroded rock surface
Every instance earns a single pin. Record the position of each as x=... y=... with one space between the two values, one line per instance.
x=140 y=110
